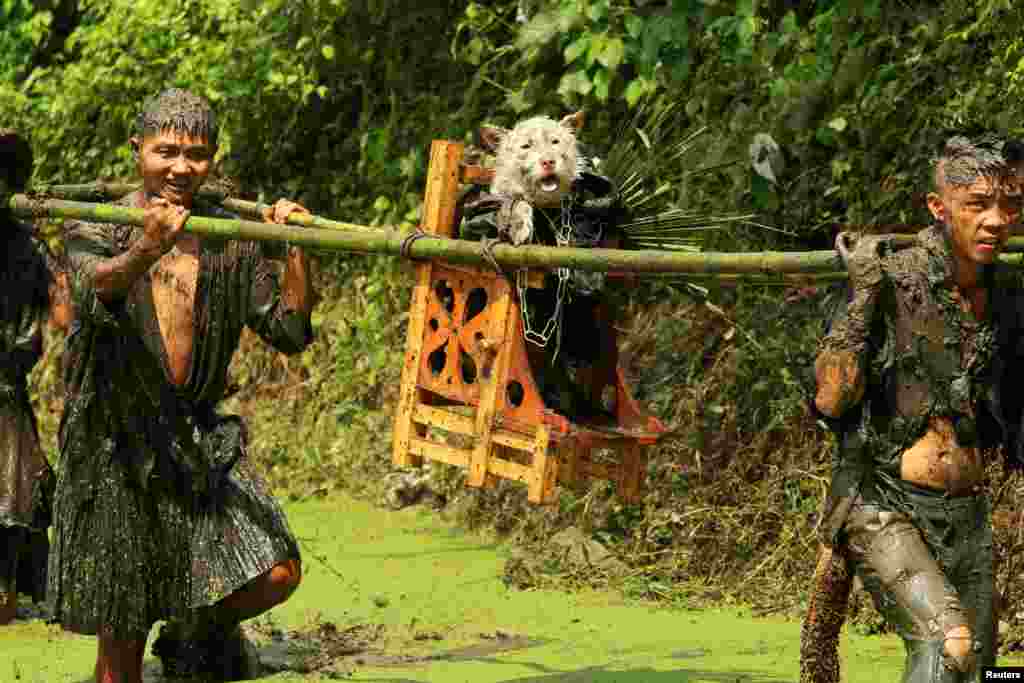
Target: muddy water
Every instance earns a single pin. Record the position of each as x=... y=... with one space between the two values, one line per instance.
x=398 y=597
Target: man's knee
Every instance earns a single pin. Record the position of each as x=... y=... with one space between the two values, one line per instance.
x=287 y=576
x=959 y=649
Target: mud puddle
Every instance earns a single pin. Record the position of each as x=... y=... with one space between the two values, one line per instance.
x=329 y=651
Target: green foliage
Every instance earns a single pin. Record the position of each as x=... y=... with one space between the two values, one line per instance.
x=340 y=410
x=318 y=100
x=24 y=28
x=335 y=102
x=856 y=93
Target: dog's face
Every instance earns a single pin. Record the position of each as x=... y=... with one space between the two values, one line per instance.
x=536 y=160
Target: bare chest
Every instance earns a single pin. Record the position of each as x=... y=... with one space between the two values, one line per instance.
x=937 y=461
x=174 y=278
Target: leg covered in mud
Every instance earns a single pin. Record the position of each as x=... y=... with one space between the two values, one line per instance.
x=211 y=642
x=933 y=582
x=242 y=546
x=826 y=612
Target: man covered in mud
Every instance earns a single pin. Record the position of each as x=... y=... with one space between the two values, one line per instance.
x=546 y=190
x=910 y=374
x=158 y=515
x=27 y=283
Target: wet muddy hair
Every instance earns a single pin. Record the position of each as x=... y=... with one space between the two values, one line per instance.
x=15 y=159
x=179 y=111
x=962 y=159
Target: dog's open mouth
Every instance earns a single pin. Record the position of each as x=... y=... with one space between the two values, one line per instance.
x=549 y=183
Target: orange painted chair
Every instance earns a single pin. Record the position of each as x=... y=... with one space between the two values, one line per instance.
x=466 y=372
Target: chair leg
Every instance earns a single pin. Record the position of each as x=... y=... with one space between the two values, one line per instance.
x=632 y=469
x=569 y=452
x=545 y=469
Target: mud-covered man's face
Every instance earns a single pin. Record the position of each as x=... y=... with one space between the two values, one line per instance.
x=173 y=165
x=978 y=215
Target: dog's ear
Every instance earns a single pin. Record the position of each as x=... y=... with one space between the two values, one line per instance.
x=491 y=137
x=574 y=122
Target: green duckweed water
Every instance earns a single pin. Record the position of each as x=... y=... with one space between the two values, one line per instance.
x=435 y=591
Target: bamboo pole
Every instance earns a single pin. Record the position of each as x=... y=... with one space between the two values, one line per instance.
x=102 y=191
x=373 y=240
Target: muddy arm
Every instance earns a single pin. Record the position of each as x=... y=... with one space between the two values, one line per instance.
x=98 y=276
x=281 y=314
x=840 y=379
x=113 y=277
x=297 y=289
x=60 y=302
x=841 y=365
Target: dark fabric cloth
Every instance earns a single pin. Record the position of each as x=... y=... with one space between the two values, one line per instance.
x=26 y=478
x=23 y=554
x=156 y=510
x=12 y=540
x=32 y=565
x=928 y=576
x=595 y=215
x=927 y=358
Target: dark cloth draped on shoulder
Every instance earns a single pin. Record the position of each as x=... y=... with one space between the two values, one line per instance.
x=149 y=470
x=118 y=355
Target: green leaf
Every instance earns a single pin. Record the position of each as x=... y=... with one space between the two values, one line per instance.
x=635 y=90
x=837 y=124
x=575 y=82
x=763 y=193
x=328 y=52
x=597 y=43
x=840 y=168
x=612 y=54
x=584 y=84
x=746 y=29
x=518 y=102
x=789 y=23
x=634 y=26
x=577 y=48
x=474 y=50
x=602 y=82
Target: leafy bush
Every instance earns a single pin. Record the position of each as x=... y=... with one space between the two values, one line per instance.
x=335 y=102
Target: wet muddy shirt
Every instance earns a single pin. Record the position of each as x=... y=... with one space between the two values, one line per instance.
x=926 y=358
x=25 y=476
x=122 y=410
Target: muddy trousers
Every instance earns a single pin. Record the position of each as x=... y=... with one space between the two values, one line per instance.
x=929 y=577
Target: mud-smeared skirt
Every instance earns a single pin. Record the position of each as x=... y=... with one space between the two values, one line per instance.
x=128 y=557
x=26 y=489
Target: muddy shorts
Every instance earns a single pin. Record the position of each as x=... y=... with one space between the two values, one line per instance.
x=928 y=574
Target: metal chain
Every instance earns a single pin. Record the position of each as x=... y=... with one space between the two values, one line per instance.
x=553 y=325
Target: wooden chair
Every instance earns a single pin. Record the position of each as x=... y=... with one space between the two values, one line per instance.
x=467 y=372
